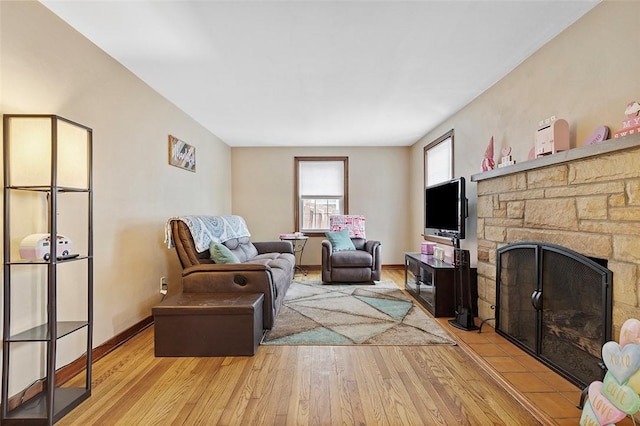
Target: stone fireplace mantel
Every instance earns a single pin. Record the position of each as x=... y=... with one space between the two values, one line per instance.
x=586 y=199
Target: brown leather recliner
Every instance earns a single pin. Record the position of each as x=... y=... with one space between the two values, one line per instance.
x=269 y=272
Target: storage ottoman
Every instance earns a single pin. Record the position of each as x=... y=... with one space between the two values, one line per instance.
x=208 y=324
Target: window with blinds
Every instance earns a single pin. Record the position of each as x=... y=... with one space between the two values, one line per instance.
x=438 y=160
x=321 y=191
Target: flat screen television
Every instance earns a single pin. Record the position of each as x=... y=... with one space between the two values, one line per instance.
x=445 y=209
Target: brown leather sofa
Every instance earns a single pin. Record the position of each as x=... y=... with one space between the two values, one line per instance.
x=269 y=272
x=360 y=265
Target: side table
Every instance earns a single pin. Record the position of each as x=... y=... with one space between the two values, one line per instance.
x=298 y=243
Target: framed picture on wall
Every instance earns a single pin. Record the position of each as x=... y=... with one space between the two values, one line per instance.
x=181 y=154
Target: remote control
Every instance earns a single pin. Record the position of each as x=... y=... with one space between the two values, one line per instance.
x=68 y=256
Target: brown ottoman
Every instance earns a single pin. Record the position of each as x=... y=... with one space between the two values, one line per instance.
x=208 y=324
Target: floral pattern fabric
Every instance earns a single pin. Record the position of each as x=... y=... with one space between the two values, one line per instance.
x=352 y=223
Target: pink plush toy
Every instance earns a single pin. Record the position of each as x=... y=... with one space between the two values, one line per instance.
x=487 y=161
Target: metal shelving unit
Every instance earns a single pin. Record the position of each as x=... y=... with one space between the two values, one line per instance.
x=46 y=157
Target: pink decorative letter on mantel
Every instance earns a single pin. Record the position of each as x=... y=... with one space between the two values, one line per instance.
x=601 y=134
x=632 y=124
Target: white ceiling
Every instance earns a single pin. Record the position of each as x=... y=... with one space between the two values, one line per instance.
x=320 y=73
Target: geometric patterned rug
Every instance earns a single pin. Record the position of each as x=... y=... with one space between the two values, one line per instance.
x=327 y=314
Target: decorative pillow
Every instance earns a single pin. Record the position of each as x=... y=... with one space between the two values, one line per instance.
x=221 y=254
x=352 y=223
x=340 y=241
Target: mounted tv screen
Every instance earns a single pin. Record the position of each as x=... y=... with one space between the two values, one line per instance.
x=446 y=209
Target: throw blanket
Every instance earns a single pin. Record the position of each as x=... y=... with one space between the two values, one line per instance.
x=208 y=229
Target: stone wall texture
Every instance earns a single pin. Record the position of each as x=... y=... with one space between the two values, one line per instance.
x=589 y=205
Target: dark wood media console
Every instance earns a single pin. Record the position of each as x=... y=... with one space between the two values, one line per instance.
x=431 y=282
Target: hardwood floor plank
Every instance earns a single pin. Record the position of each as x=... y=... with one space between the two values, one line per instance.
x=397 y=402
x=283 y=394
x=172 y=392
x=419 y=390
x=192 y=398
x=368 y=386
x=350 y=403
x=239 y=394
x=296 y=385
x=320 y=391
x=299 y=404
x=218 y=391
x=262 y=408
x=112 y=376
x=425 y=364
x=273 y=406
x=406 y=407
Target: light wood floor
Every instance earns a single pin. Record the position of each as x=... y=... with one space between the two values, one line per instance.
x=296 y=385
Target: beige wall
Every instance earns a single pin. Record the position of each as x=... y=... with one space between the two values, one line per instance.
x=263 y=193
x=47 y=67
x=586 y=75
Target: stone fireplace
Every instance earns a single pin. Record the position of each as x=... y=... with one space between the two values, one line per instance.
x=586 y=199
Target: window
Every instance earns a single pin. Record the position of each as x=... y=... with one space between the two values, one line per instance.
x=321 y=190
x=438 y=160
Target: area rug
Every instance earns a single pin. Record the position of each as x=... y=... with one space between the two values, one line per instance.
x=377 y=314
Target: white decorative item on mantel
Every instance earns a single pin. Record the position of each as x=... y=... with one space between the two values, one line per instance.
x=552 y=136
x=506 y=159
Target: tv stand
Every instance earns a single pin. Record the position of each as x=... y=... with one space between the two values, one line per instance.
x=431 y=282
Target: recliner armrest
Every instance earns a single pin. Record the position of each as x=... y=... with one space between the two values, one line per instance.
x=224 y=267
x=233 y=277
x=226 y=277
x=374 y=247
x=371 y=245
x=274 y=247
x=327 y=249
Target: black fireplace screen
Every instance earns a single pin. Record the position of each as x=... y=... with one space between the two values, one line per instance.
x=555 y=304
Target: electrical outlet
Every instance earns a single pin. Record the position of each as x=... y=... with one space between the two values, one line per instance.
x=163 y=285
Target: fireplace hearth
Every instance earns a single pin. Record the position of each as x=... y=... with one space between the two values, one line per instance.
x=555 y=304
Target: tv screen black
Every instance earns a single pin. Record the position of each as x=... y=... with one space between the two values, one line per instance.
x=446 y=209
